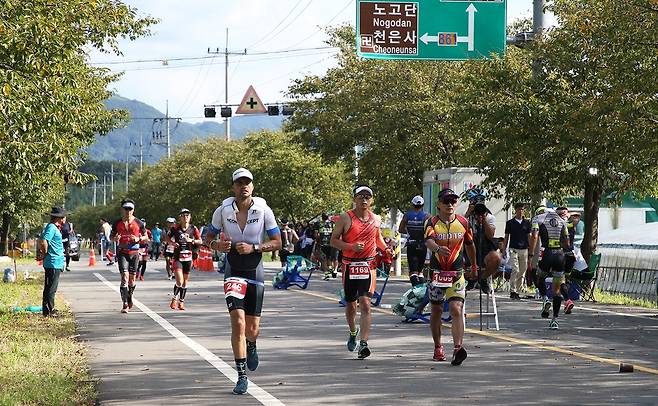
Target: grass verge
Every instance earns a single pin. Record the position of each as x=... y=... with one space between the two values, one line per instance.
x=619 y=299
x=41 y=362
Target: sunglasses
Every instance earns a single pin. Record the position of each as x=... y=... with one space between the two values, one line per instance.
x=364 y=197
x=449 y=201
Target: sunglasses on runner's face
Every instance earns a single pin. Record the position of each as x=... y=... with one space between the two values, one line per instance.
x=449 y=201
x=364 y=196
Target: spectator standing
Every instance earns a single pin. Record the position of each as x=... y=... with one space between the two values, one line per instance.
x=517 y=239
x=51 y=250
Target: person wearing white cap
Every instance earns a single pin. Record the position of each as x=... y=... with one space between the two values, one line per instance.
x=413 y=224
x=240 y=222
x=128 y=232
x=357 y=235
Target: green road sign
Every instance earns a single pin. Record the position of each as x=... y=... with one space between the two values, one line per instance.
x=431 y=29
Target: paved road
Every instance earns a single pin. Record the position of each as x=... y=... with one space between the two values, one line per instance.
x=158 y=356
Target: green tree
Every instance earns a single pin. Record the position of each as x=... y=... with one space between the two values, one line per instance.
x=394 y=111
x=296 y=184
x=591 y=105
x=51 y=99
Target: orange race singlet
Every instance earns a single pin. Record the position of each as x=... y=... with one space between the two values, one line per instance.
x=364 y=232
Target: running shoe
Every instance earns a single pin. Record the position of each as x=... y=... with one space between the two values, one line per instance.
x=568 y=306
x=351 y=341
x=252 y=357
x=545 y=308
x=181 y=305
x=439 y=354
x=364 y=351
x=68 y=269
x=553 y=325
x=124 y=309
x=458 y=356
x=241 y=386
x=141 y=277
x=172 y=305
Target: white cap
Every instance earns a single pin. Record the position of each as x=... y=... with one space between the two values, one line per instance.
x=242 y=173
x=363 y=189
x=171 y=220
x=418 y=201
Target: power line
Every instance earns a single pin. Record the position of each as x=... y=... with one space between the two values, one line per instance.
x=349 y=2
x=202 y=64
x=289 y=24
x=196 y=58
x=277 y=26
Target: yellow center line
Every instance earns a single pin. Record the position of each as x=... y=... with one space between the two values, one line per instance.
x=502 y=337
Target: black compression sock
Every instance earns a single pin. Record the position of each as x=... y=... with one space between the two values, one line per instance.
x=241 y=366
x=565 y=291
x=251 y=345
x=557 y=301
x=183 y=291
x=176 y=290
x=124 y=294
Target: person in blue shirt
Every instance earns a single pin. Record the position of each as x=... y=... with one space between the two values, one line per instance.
x=51 y=248
x=156 y=233
x=413 y=225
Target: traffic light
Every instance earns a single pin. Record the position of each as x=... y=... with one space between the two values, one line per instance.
x=209 y=112
x=226 y=111
x=272 y=110
x=288 y=110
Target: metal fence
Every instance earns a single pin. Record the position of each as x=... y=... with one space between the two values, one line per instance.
x=629 y=269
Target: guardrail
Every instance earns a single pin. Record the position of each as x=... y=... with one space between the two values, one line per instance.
x=629 y=269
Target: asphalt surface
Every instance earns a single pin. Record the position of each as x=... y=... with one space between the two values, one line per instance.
x=156 y=356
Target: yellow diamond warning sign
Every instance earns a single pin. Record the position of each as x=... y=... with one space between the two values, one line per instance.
x=251 y=103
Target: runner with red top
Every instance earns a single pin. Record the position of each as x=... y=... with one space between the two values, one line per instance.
x=128 y=232
x=186 y=238
x=143 y=252
x=358 y=236
x=446 y=234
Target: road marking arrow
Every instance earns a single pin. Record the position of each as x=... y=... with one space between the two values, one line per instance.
x=470 y=39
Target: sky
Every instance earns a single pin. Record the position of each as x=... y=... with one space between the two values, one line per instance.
x=187 y=29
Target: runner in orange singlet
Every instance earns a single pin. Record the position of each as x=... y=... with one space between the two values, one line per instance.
x=358 y=236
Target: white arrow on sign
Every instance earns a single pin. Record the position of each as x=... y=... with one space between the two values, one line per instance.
x=470 y=39
x=471 y=10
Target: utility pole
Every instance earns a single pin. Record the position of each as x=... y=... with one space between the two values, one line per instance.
x=537 y=30
x=104 y=189
x=158 y=137
x=93 y=202
x=111 y=173
x=227 y=120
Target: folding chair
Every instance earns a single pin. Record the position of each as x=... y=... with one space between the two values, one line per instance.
x=584 y=282
x=292 y=275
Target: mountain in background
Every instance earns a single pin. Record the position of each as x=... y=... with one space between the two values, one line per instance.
x=123 y=143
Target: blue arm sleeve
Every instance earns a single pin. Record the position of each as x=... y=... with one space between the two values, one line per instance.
x=271 y=233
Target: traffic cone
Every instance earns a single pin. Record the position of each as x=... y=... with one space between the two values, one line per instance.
x=92 y=257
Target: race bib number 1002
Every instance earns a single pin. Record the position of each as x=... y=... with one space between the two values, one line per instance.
x=359 y=270
x=235 y=287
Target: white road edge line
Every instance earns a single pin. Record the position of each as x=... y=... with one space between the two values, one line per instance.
x=254 y=390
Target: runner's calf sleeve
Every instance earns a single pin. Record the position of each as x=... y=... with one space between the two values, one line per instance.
x=123 y=290
x=564 y=290
x=131 y=290
x=557 y=301
x=183 y=291
x=176 y=290
x=241 y=366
